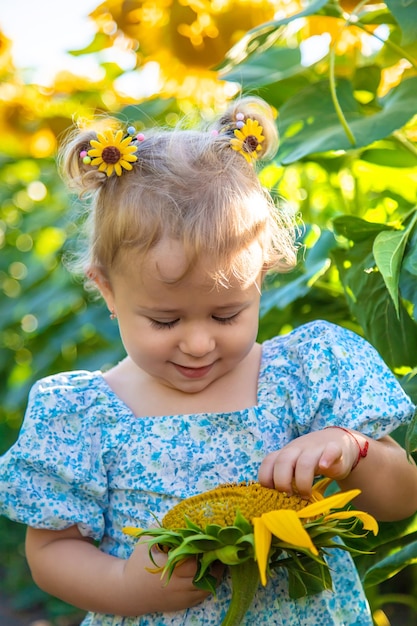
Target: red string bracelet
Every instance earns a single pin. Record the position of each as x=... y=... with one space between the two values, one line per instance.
x=363 y=451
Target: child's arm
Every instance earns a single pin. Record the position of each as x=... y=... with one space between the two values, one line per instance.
x=70 y=567
x=386 y=477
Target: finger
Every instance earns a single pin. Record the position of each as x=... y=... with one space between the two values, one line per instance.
x=266 y=470
x=331 y=462
x=187 y=568
x=158 y=555
x=217 y=570
x=304 y=472
x=284 y=467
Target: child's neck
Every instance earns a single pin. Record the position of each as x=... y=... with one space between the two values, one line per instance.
x=149 y=397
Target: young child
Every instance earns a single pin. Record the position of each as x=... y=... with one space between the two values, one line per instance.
x=181 y=235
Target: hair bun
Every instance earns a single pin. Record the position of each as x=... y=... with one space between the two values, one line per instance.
x=250 y=122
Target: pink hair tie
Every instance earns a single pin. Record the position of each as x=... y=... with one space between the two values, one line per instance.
x=363 y=451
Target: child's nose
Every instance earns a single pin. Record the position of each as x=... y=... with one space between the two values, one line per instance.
x=197 y=342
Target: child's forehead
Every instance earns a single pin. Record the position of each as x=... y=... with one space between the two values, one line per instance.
x=167 y=266
x=167 y=260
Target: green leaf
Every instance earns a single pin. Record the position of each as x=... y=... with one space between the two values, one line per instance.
x=213 y=530
x=396 y=156
x=100 y=42
x=200 y=543
x=309 y=578
x=357 y=229
x=375 y=14
x=411 y=436
x=394 y=336
x=410 y=259
x=206 y=583
x=265 y=68
x=229 y=555
x=229 y=535
x=391 y=565
x=204 y=562
x=308 y=123
x=388 y=251
x=405 y=12
x=242 y=523
x=298 y=283
x=409 y=384
x=262 y=37
x=153 y=109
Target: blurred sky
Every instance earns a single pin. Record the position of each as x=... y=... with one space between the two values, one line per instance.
x=41 y=32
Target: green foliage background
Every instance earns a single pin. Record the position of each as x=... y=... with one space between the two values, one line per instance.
x=347 y=163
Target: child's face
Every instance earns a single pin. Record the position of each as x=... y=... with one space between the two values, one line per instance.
x=185 y=334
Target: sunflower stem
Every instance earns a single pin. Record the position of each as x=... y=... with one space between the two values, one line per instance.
x=245 y=580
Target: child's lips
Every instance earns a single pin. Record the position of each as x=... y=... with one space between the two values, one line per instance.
x=193 y=372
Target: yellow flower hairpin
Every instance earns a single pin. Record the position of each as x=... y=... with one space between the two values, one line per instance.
x=253 y=529
x=247 y=138
x=110 y=152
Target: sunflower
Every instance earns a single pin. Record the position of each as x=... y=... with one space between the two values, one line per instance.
x=110 y=152
x=248 y=140
x=253 y=529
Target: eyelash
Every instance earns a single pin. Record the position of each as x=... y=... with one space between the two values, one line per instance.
x=167 y=325
x=226 y=320
x=157 y=324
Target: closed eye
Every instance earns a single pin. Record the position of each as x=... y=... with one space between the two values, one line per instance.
x=226 y=320
x=157 y=324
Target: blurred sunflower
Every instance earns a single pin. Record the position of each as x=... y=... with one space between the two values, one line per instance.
x=186 y=39
x=254 y=529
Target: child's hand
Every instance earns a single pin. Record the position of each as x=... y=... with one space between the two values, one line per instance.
x=330 y=452
x=158 y=595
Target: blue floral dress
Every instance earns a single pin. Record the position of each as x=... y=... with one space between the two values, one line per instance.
x=83 y=458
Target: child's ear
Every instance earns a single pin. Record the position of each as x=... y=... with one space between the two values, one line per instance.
x=102 y=283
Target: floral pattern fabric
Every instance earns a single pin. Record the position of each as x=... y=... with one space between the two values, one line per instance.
x=83 y=458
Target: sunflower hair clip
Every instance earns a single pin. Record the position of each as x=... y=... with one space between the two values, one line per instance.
x=112 y=152
x=248 y=137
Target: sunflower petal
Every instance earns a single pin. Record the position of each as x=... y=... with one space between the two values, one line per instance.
x=236 y=144
x=97 y=145
x=126 y=143
x=240 y=135
x=251 y=126
x=130 y=157
x=319 y=488
x=132 y=530
x=101 y=139
x=286 y=525
x=249 y=156
x=368 y=522
x=336 y=501
x=118 y=137
x=262 y=538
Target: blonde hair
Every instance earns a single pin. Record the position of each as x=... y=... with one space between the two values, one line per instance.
x=187 y=185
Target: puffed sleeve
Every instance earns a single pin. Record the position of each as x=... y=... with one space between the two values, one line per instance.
x=54 y=477
x=338 y=378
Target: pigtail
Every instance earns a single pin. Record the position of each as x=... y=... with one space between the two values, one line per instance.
x=89 y=157
x=79 y=177
x=250 y=125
